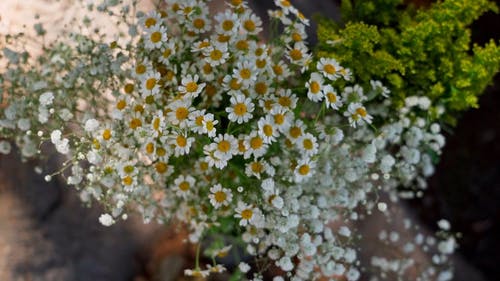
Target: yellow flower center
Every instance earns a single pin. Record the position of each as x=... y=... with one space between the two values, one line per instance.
x=246 y=214
x=149 y=22
x=241 y=146
x=150 y=83
x=268 y=130
x=242 y=45
x=295 y=132
x=199 y=23
x=296 y=54
x=215 y=55
x=285 y=3
x=240 y=109
x=181 y=113
x=278 y=70
x=330 y=69
x=191 y=87
x=135 y=123
x=224 y=146
x=203 y=166
x=296 y=37
x=156 y=124
x=227 y=25
x=304 y=169
x=261 y=63
x=256 y=142
x=245 y=73
x=121 y=104
x=361 y=111
x=249 y=25
x=150 y=148
x=332 y=98
x=220 y=196
x=161 y=167
x=234 y=85
x=203 y=44
x=181 y=141
x=167 y=53
x=160 y=151
x=184 y=186
x=279 y=118
x=257 y=167
x=207 y=68
x=199 y=120
x=156 y=37
x=314 y=87
x=127 y=180
x=308 y=144
x=106 y=135
x=209 y=125
x=128 y=169
x=129 y=88
x=140 y=69
x=285 y=101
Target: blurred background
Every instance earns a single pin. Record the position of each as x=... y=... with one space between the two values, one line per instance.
x=46 y=234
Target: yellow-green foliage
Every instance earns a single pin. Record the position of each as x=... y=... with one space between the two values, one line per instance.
x=424 y=52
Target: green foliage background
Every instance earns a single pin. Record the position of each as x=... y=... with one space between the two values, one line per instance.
x=413 y=51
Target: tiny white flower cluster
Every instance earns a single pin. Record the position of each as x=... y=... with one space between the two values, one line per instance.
x=208 y=124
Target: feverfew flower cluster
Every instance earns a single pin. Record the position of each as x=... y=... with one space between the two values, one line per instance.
x=194 y=118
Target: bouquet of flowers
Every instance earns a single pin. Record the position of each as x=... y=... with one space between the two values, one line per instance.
x=187 y=117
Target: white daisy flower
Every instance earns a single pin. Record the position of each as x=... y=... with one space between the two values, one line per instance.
x=308 y=145
x=183 y=185
x=258 y=167
x=209 y=125
x=304 y=170
x=190 y=86
x=200 y=45
x=180 y=112
x=246 y=213
x=231 y=85
x=286 y=99
x=330 y=68
x=282 y=118
x=167 y=51
x=280 y=70
x=216 y=54
x=315 y=87
x=245 y=72
x=240 y=110
x=296 y=130
x=250 y=23
x=150 y=20
x=155 y=37
x=210 y=158
x=182 y=143
x=267 y=129
x=298 y=54
x=332 y=99
x=220 y=196
x=254 y=145
x=227 y=146
x=149 y=84
x=196 y=119
x=357 y=114
x=227 y=23
x=199 y=24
